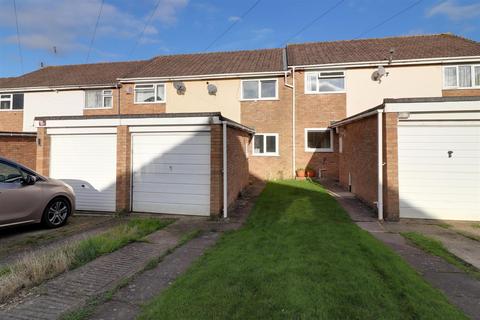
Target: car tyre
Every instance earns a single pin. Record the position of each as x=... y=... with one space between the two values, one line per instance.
x=56 y=213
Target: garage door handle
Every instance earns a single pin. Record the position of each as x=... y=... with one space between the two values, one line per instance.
x=450 y=153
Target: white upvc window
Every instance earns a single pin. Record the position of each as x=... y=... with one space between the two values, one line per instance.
x=265 y=144
x=11 y=101
x=318 y=140
x=150 y=93
x=324 y=81
x=259 y=89
x=98 y=99
x=461 y=76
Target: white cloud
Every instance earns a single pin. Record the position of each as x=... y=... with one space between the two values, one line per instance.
x=68 y=24
x=455 y=11
x=234 y=18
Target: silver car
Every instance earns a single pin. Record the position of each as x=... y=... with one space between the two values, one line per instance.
x=27 y=197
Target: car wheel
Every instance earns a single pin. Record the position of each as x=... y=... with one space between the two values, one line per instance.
x=56 y=213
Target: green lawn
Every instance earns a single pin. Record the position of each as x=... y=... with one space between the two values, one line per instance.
x=300 y=257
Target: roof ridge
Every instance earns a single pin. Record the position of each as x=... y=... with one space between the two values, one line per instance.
x=382 y=38
x=91 y=64
x=215 y=52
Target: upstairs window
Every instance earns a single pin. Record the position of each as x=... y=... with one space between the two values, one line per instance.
x=324 y=81
x=11 y=101
x=463 y=76
x=95 y=99
x=262 y=89
x=149 y=93
x=318 y=140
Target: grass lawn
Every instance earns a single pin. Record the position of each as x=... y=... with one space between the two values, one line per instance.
x=436 y=248
x=300 y=257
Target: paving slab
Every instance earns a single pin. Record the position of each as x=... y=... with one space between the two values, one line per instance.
x=460 y=288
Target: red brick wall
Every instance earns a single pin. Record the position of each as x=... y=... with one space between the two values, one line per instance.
x=11 y=121
x=123 y=168
x=317 y=111
x=461 y=93
x=237 y=168
x=216 y=165
x=390 y=168
x=43 y=152
x=127 y=105
x=20 y=149
x=271 y=116
x=359 y=158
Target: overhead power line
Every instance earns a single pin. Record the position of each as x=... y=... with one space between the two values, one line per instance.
x=311 y=23
x=230 y=27
x=389 y=19
x=147 y=23
x=94 y=31
x=20 y=54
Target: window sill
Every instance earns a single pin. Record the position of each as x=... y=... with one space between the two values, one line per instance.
x=99 y=108
x=319 y=150
x=327 y=92
x=461 y=88
x=255 y=100
x=14 y=110
x=266 y=155
x=156 y=102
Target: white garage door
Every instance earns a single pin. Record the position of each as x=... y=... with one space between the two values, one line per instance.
x=439 y=171
x=171 y=172
x=88 y=164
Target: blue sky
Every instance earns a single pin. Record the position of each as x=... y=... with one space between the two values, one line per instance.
x=184 y=26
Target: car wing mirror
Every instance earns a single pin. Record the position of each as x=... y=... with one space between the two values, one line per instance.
x=29 y=180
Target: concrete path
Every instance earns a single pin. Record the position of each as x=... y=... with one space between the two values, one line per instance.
x=460 y=288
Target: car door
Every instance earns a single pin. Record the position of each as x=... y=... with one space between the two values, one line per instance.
x=18 y=201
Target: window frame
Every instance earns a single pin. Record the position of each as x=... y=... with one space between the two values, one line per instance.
x=472 y=74
x=155 y=93
x=9 y=100
x=265 y=153
x=103 y=99
x=242 y=98
x=317 y=72
x=307 y=149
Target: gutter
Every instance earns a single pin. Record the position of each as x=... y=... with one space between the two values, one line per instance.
x=380 y=164
x=72 y=87
x=359 y=64
x=205 y=76
x=225 y=171
x=17 y=134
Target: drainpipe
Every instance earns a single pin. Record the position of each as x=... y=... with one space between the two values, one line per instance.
x=225 y=180
x=294 y=147
x=380 y=164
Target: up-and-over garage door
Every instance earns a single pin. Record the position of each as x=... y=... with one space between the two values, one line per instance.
x=439 y=171
x=87 y=162
x=171 y=172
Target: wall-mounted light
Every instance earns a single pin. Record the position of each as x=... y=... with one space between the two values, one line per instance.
x=403 y=115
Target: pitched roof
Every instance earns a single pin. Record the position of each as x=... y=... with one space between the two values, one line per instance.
x=264 y=60
x=364 y=50
x=74 y=75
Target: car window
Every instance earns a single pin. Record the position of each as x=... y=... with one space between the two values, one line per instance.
x=9 y=174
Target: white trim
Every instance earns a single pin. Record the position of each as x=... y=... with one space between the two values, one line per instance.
x=307 y=149
x=361 y=64
x=457 y=87
x=225 y=170
x=353 y=118
x=9 y=100
x=58 y=88
x=432 y=106
x=83 y=130
x=155 y=94
x=203 y=76
x=305 y=91
x=170 y=129
x=265 y=153
x=112 y=122
x=259 y=89
x=380 y=164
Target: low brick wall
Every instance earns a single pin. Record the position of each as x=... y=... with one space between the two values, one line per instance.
x=21 y=149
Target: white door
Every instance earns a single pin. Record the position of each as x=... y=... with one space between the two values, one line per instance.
x=439 y=171
x=87 y=163
x=171 y=172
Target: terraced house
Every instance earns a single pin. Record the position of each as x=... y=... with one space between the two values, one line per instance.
x=395 y=120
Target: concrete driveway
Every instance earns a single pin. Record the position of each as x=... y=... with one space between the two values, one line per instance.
x=17 y=241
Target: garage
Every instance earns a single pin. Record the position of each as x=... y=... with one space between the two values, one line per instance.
x=87 y=162
x=171 y=172
x=186 y=163
x=439 y=170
